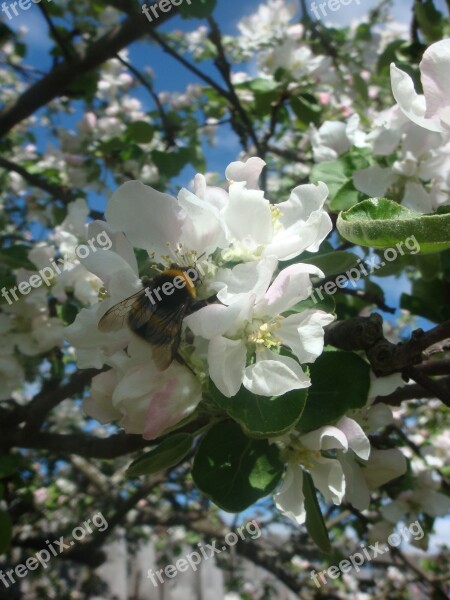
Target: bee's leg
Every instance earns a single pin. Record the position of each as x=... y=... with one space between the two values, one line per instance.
x=201 y=304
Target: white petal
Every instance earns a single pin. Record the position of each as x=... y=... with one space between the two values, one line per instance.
x=254 y=277
x=132 y=209
x=304 y=333
x=383 y=466
x=373 y=181
x=435 y=76
x=412 y=105
x=274 y=375
x=356 y=490
x=226 y=360
x=291 y=286
x=248 y=171
x=248 y=215
x=99 y=406
x=217 y=319
x=290 y=499
x=329 y=479
x=202 y=230
x=325 y=438
x=357 y=439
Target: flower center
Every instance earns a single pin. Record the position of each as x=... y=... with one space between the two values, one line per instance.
x=276 y=216
x=263 y=334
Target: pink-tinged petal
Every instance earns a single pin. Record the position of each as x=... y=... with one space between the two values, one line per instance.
x=291 y=286
x=226 y=360
x=357 y=439
x=99 y=406
x=151 y=401
x=160 y=413
x=132 y=209
x=274 y=375
x=435 y=76
x=249 y=172
x=290 y=499
x=304 y=333
x=411 y=104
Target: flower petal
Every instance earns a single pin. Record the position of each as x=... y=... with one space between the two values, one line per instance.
x=132 y=209
x=226 y=360
x=290 y=499
x=411 y=104
x=248 y=172
x=304 y=333
x=274 y=375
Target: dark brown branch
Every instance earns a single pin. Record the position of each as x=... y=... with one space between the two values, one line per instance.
x=224 y=68
x=59 y=192
x=80 y=444
x=385 y=358
x=48 y=399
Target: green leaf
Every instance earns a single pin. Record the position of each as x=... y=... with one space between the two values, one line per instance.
x=381 y=223
x=171 y=164
x=430 y=20
x=306 y=109
x=197 y=9
x=429 y=299
x=233 y=470
x=140 y=132
x=328 y=304
x=261 y=416
x=314 y=520
x=16 y=257
x=168 y=454
x=333 y=263
x=9 y=465
x=5 y=531
x=338 y=175
x=339 y=382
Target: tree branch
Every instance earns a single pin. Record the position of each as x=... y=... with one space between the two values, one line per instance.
x=56 y=82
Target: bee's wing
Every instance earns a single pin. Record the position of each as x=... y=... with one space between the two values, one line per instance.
x=137 y=308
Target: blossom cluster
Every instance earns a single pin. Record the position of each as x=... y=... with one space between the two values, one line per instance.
x=243 y=242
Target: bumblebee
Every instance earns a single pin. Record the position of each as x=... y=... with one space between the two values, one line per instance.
x=156 y=312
